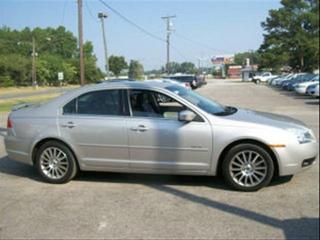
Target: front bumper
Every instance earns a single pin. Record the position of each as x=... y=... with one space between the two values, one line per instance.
x=292 y=158
x=300 y=90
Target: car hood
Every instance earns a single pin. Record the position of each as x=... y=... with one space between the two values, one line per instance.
x=247 y=116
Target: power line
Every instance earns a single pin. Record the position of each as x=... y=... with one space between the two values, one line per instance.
x=177 y=50
x=132 y=23
x=64 y=11
x=90 y=12
x=194 y=42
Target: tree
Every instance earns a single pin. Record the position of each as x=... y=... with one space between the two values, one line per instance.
x=56 y=52
x=240 y=58
x=15 y=67
x=292 y=35
x=135 y=70
x=116 y=64
x=174 y=67
x=188 y=67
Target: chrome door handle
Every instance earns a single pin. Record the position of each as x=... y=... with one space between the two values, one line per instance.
x=140 y=128
x=68 y=125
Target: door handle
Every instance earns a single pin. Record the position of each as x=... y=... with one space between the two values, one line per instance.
x=68 y=125
x=140 y=128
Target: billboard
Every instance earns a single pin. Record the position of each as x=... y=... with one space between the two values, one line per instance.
x=218 y=60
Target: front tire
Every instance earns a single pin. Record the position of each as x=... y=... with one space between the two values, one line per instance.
x=55 y=162
x=247 y=167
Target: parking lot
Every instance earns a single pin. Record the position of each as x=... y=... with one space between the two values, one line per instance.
x=133 y=206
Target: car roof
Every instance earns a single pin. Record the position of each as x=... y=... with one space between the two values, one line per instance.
x=126 y=84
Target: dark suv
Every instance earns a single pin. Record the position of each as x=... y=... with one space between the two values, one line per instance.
x=193 y=80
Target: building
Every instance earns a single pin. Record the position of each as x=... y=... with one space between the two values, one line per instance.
x=248 y=72
x=234 y=71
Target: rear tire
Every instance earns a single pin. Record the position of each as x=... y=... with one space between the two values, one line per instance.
x=247 y=167
x=56 y=163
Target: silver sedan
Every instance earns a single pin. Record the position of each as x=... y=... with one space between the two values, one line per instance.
x=159 y=128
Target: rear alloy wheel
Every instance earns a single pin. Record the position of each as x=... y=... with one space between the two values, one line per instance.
x=248 y=167
x=55 y=162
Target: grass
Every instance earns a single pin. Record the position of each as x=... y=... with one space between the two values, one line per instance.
x=6 y=105
x=14 y=90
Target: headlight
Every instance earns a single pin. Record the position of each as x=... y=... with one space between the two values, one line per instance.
x=303 y=136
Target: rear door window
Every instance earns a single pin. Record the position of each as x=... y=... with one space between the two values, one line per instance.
x=104 y=102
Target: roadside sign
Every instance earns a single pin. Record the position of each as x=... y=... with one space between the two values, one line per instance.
x=60 y=76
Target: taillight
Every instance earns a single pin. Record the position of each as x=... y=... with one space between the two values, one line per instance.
x=9 y=123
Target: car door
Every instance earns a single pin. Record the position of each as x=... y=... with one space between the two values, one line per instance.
x=94 y=123
x=159 y=142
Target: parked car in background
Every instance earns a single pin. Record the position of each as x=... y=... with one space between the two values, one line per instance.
x=301 y=88
x=163 y=128
x=289 y=86
x=316 y=91
x=193 y=80
x=262 y=78
x=284 y=84
x=183 y=84
x=313 y=90
x=201 y=80
x=270 y=80
x=277 y=82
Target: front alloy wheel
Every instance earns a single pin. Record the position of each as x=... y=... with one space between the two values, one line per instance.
x=248 y=167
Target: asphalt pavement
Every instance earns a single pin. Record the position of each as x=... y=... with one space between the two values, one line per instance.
x=135 y=206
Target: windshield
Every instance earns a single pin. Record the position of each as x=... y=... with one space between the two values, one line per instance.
x=201 y=102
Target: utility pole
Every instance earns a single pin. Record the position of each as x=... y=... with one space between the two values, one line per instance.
x=169 y=30
x=34 y=74
x=80 y=31
x=102 y=16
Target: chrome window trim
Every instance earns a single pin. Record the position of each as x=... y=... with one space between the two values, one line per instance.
x=126 y=88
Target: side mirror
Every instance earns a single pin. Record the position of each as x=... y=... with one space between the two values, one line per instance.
x=186 y=116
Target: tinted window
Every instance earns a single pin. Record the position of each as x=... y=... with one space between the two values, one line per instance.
x=153 y=104
x=107 y=102
x=70 y=107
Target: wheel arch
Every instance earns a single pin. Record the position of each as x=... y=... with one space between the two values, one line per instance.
x=39 y=143
x=250 y=141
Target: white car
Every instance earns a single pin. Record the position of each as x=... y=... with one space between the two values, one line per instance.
x=301 y=88
x=316 y=91
x=313 y=90
x=263 y=78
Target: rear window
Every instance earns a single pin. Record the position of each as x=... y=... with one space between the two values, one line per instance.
x=106 y=102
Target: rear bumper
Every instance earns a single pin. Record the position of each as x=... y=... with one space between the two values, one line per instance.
x=17 y=150
x=294 y=159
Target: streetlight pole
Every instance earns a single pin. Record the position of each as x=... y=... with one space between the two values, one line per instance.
x=169 y=30
x=102 y=16
x=80 y=31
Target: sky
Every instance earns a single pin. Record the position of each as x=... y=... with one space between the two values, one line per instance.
x=202 y=28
